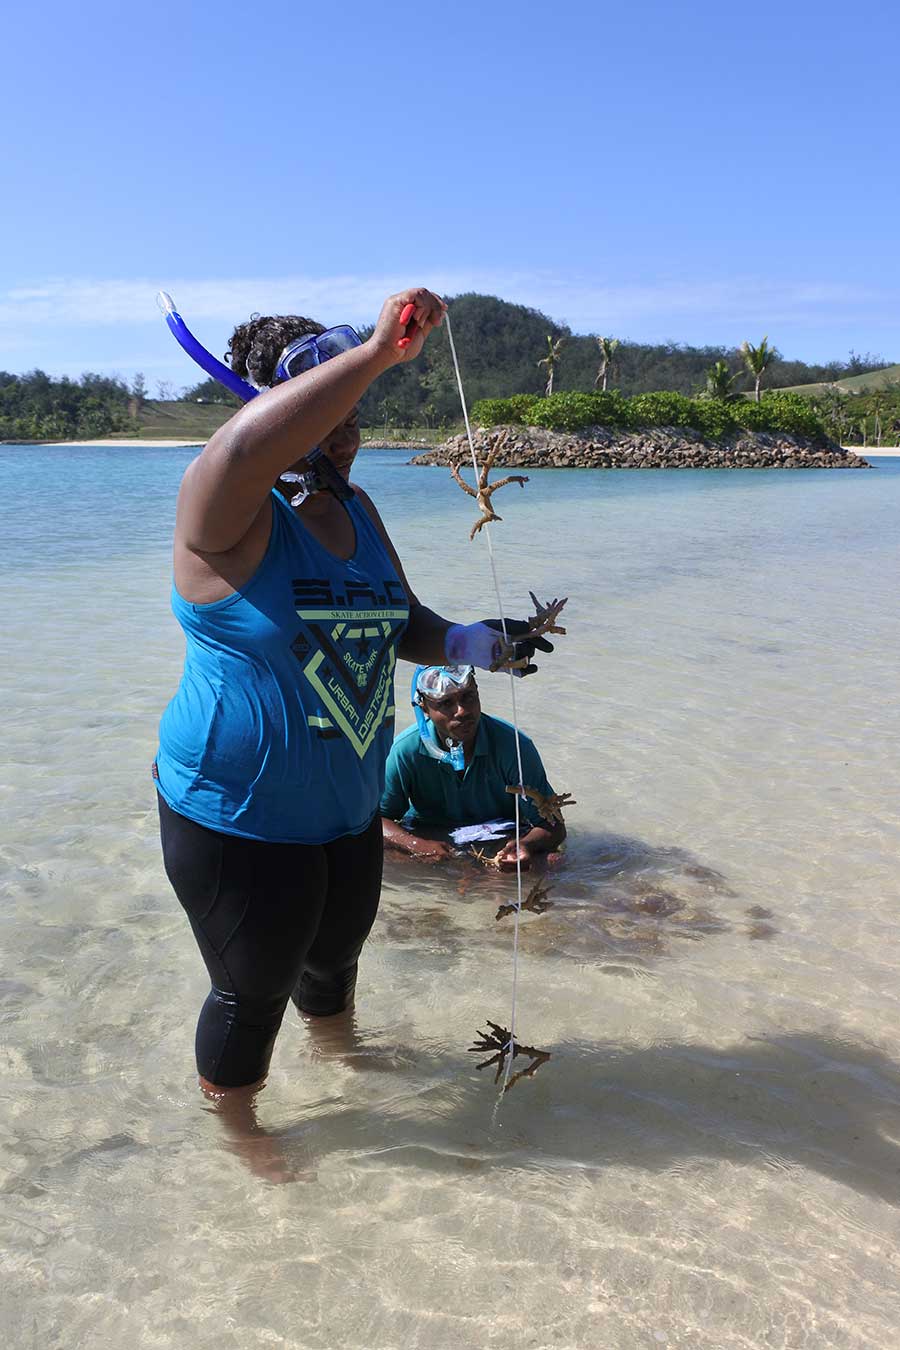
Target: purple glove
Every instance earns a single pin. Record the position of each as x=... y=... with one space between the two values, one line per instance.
x=472 y=644
x=480 y=644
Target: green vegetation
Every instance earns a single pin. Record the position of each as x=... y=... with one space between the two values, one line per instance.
x=865 y=419
x=35 y=407
x=775 y=412
x=199 y=412
x=210 y=391
x=720 y=382
x=608 y=348
x=551 y=361
x=885 y=377
x=176 y=420
x=502 y=346
x=757 y=360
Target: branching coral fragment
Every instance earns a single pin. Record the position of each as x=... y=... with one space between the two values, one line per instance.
x=549 y=806
x=544 y=618
x=500 y=1041
x=486 y=859
x=507 y=660
x=484 y=490
x=542 y=621
x=536 y=903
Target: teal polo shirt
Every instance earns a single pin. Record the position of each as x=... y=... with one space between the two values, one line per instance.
x=433 y=793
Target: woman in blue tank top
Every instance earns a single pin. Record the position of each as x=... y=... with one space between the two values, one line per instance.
x=271 y=760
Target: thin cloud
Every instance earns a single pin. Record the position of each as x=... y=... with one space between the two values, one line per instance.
x=583 y=303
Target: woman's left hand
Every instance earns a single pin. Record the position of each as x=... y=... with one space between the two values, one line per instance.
x=518 y=634
x=474 y=644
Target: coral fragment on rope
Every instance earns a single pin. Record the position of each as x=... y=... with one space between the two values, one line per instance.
x=500 y=1041
x=541 y=622
x=536 y=903
x=544 y=618
x=485 y=490
x=549 y=805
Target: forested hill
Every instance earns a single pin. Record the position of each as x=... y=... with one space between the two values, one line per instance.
x=499 y=345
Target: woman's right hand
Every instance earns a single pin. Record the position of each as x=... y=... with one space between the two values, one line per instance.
x=428 y=312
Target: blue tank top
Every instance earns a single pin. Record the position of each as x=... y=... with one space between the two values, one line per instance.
x=284 y=717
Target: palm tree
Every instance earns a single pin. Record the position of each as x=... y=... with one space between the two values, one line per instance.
x=832 y=405
x=719 y=380
x=876 y=403
x=757 y=360
x=551 y=361
x=607 y=360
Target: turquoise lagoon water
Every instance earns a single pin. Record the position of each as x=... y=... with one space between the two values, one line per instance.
x=711 y=1158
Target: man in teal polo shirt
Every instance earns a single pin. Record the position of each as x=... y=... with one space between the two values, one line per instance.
x=452 y=769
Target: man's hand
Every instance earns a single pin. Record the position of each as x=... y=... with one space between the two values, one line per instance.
x=515 y=850
x=429 y=850
x=413 y=845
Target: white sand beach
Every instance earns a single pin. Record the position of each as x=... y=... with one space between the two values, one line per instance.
x=134 y=440
x=125 y=442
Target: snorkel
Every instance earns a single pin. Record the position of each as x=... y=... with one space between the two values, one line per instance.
x=198 y=353
x=454 y=753
x=322 y=475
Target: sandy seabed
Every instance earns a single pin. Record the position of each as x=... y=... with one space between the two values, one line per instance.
x=710 y=1158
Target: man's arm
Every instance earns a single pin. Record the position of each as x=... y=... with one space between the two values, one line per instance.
x=395 y=803
x=429 y=850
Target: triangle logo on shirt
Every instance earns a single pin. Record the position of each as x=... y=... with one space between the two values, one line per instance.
x=350 y=664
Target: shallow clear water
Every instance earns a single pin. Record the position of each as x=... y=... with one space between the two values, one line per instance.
x=711 y=1158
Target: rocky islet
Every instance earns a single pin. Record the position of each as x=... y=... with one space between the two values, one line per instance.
x=651 y=448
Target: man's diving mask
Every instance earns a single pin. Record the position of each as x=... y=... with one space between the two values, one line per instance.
x=437 y=682
x=315 y=348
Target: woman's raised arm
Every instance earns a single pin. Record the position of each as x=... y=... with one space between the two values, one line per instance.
x=225 y=487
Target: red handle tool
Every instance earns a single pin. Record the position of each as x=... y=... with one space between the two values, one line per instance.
x=405 y=315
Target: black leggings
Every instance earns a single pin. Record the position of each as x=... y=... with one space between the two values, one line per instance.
x=273 y=922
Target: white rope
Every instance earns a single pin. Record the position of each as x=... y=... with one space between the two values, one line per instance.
x=515 y=721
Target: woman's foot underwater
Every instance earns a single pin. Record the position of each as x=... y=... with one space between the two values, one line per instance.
x=337 y=1039
x=251 y=1142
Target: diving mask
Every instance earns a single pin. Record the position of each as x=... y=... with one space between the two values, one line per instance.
x=315 y=348
x=439 y=681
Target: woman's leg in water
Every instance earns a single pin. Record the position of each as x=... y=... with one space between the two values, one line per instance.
x=328 y=980
x=255 y=909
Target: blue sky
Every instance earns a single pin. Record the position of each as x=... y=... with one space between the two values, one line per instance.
x=652 y=171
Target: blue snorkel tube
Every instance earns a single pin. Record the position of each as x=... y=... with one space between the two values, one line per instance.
x=455 y=754
x=204 y=359
x=323 y=474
